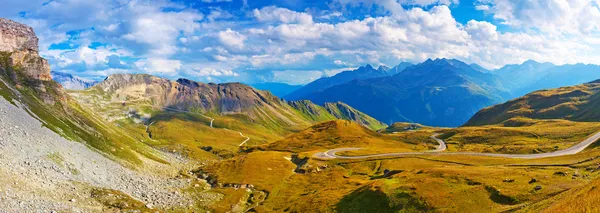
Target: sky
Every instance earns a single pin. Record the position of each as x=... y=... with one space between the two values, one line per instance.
x=295 y=42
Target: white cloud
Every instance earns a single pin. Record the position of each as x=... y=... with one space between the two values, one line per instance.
x=283 y=15
x=214 y=72
x=550 y=16
x=482 y=7
x=158 y=29
x=481 y=30
x=158 y=65
x=231 y=38
x=339 y=62
x=230 y=44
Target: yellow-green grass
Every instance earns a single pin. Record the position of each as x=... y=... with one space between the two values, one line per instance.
x=188 y=133
x=415 y=141
x=577 y=103
x=581 y=199
x=418 y=185
x=402 y=127
x=234 y=200
x=529 y=136
x=264 y=170
x=453 y=187
x=340 y=133
x=117 y=201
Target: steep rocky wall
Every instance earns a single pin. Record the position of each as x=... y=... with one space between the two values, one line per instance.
x=21 y=43
x=16 y=37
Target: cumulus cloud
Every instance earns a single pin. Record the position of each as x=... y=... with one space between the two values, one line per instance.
x=557 y=16
x=158 y=65
x=231 y=38
x=283 y=15
x=171 y=39
x=215 y=72
x=159 y=30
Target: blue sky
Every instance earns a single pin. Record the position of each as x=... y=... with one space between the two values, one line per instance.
x=296 y=41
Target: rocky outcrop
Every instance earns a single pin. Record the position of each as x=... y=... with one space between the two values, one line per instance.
x=16 y=37
x=19 y=48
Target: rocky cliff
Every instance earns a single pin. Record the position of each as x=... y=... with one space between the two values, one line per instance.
x=16 y=37
x=19 y=48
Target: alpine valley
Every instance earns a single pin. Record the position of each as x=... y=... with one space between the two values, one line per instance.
x=437 y=136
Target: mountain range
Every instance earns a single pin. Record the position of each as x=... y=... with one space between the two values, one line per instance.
x=440 y=92
x=431 y=93
x=258 y=106
x=364 y=72
x=71 y=82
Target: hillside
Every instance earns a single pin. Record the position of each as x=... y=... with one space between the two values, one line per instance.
x=437 y=92
x=149 y=94
x=56 y=156
x=25 y=78
x=364 y=72
x=335 y=134
x=342 y=111
x=575 y=103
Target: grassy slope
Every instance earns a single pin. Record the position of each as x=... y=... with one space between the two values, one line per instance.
x=420 y=184
x=343 y=111
x=339 y=133
x=577 y=103
x=581 y=199
x=519 y=135
x=67 y=118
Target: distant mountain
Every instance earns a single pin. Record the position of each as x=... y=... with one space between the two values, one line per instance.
x=439 y=92
x=364 y=72
x=560 y=76
x=71 y=82
x=479 y=68
x=278 y=89
x=576 y=103
x=531 y=75
x=260 y=107
x=518 y=77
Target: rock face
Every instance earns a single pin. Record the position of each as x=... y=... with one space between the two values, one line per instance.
x=19 y=48
x=16 y=37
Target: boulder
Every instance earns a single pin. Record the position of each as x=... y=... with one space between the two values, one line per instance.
x=533 y=180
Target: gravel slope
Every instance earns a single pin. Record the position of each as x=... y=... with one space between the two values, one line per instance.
x=43 y=172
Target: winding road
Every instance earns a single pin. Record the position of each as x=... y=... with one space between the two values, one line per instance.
x=331 y=154
x=247 y=139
